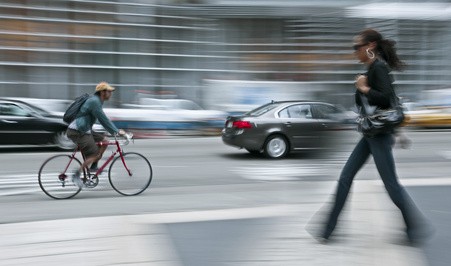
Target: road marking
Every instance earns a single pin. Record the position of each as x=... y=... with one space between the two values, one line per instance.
x=20 y=184
x=436 y=181
x=433 y=181
x=280 y=173
x=171 y=166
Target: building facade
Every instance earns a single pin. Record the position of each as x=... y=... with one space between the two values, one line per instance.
x=60 y=49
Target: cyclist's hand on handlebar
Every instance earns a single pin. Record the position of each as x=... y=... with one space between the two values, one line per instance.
x=127 y=135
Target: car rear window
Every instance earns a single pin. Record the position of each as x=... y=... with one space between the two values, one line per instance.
x=262 y=109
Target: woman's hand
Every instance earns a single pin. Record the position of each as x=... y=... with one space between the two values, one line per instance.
x=361 y=83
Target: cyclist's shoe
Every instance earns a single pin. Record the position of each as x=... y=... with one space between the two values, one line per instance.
x=93 y=170
x=94 y=166
x=76 y=179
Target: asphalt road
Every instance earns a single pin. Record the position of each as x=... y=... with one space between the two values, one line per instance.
x=196 y=174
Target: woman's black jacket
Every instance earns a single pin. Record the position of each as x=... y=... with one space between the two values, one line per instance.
x=380 y=82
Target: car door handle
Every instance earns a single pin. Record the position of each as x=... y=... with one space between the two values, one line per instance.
x=288 y=124
x=9 y=121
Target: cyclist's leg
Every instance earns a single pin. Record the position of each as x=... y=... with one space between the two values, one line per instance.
x=73 y=135
x=77 y=137
x=89 y=149
x=98 y=137
x=83 y=141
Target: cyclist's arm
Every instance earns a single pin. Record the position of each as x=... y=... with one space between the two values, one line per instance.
x=104 y=120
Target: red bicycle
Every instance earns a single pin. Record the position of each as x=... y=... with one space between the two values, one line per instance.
x=129 y=174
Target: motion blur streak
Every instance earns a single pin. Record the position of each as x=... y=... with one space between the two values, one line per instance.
x=180 y=68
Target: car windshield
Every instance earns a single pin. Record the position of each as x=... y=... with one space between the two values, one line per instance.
x=35 y=109
x=262 y=109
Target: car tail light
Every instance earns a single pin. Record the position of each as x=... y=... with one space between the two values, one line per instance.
x=242 y=124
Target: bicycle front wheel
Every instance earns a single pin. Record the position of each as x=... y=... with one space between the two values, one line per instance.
x=55 y=177
x=136 y=179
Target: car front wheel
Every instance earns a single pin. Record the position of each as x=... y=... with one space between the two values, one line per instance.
x=276 y=147
x=63 y=142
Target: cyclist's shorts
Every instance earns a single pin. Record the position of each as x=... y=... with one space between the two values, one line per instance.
x=86 y=142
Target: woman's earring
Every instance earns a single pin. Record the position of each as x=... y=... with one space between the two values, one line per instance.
x=369 y=53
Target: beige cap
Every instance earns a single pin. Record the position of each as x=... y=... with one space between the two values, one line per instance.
x=102 y=86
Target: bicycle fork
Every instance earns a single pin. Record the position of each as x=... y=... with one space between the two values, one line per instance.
x=125 y=165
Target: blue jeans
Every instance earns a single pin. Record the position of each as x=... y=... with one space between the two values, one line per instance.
x=380 y=146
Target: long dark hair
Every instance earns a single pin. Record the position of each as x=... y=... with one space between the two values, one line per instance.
x=385 y=47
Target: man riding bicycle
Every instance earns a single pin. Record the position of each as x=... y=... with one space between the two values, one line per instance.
x=80 y=130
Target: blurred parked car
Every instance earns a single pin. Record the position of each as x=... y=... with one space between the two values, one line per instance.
x=427 y=116
x=438 y=117
x=55 y=107
x=24 y=123
x=278 y=128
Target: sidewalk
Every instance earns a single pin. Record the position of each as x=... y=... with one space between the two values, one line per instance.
x=267 y=235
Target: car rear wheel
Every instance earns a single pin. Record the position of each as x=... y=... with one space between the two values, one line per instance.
x=63 y=142
x=276 y=146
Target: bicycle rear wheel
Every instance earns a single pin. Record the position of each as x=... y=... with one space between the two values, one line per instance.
x=55 y=177
x=138 y=181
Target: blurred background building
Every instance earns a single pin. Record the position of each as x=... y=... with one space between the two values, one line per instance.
x=62 y=48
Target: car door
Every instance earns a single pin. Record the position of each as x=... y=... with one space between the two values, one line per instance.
x=300 y=126
x=8 y=124
x=327 y=114
x=328 y=117
x=18 y=126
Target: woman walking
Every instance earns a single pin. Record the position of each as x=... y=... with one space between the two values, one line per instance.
x=379 y=56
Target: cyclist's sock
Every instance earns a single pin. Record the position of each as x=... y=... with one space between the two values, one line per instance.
x=94 y=166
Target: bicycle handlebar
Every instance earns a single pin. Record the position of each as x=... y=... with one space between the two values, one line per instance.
x=128 y=137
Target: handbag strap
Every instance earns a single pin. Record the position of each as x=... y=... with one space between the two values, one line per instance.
x=395 y=101
x=368 y=109
x=365 y=109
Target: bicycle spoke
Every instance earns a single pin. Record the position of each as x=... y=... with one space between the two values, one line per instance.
x=134 y=184
x=54 y=181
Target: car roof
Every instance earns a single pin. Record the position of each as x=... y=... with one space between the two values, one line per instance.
x=5 y=99
x=298 y=101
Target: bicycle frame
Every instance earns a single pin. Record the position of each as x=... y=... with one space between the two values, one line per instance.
x=112 y=156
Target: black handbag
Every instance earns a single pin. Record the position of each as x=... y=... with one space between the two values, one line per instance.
x=374 y=120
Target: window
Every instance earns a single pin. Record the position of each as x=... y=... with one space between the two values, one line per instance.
x=325 y=111
x=284 y=113
x=12 y=110
x=302 y=111
x=262 y=110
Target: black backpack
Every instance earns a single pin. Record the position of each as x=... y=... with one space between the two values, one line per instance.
x=73 y=109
